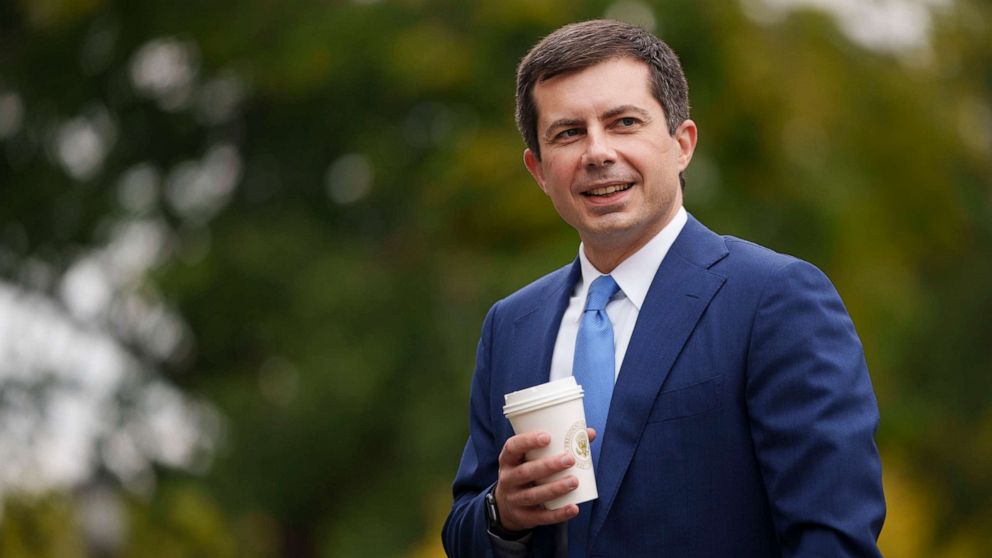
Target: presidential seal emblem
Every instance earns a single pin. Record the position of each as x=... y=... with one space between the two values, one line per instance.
x=577 y=443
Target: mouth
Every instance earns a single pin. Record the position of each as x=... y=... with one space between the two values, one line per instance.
x=607 y=190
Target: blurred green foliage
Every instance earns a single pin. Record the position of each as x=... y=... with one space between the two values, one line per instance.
x=335 y=297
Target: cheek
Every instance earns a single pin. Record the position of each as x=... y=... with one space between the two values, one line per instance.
x=659 y=162
x=558 y=178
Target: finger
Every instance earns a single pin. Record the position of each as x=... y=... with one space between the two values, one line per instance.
x=541 y=516
x=591 y=432
x=535 y=471
x=541 y=494
x=517 y=446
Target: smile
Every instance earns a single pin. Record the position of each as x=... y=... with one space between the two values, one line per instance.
x=607 y=190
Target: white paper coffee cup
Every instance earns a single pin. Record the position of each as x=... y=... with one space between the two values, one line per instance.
x=556 y=408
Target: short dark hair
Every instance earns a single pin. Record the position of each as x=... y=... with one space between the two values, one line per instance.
x=578 y=46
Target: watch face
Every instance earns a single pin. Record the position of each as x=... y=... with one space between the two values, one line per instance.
x=491 y=514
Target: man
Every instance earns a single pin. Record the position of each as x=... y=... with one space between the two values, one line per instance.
x=741 y=420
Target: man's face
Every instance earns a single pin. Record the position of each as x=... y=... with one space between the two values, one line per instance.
x=608 y=163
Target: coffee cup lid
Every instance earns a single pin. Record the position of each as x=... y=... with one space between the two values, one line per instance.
x=540 y=396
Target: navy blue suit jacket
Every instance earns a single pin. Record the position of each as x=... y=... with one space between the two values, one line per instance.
x=741 y=424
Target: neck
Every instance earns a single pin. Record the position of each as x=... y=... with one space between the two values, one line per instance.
x=606 y=259
x=606 y=253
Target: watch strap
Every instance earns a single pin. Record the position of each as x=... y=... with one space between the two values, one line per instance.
x=492 y=517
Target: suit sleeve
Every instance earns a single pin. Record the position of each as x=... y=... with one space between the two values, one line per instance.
x=813 y=417
x=465 y=533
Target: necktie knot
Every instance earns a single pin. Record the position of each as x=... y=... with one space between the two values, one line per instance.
x=600 y=292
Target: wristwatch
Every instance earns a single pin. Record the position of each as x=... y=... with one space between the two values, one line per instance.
x=492 y=517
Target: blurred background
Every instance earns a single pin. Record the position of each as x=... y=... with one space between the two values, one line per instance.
x=246 y=249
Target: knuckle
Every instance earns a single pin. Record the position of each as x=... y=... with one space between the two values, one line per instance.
x=506 y=478
x=542 y=497
x=528 y=499
x=507 y=453
x=552 y=465
x=538 y=470
x=548 y=492
x=526 y=471
x=504 y=458
x=517 y=501
x=556 y=489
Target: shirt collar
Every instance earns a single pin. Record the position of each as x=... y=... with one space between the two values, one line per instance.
x=634 y=274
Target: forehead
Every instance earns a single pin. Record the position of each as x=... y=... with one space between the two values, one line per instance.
x=593 y=90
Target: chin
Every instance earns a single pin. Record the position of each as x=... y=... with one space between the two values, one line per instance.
x=612 y=236
x=615 y=225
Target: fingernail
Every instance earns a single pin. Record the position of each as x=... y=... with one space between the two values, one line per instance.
x=544 y=438
x=573 y=483
x=567 y=460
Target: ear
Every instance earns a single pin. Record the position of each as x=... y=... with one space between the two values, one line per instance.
x=533 y=165
x=685 y=135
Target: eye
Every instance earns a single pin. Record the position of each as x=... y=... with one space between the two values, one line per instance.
x=569 y=133
x=627 y=122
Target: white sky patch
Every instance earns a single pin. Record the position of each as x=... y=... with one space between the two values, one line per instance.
x=198 y=190
x=82 y=143
x=165 y=70
x=67 y=390
x=894 y=26
x=77 y=388
x=94 y=281
x=86 y=290
x=106 y=287
x=138 y=188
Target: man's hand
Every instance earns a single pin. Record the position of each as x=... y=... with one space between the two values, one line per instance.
x=519 y=499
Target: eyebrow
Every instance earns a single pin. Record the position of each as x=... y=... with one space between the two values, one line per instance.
x=615 y=111
x=625 y=108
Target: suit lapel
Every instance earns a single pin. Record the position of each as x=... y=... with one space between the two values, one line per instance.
x=541 y=322
x=680 y=292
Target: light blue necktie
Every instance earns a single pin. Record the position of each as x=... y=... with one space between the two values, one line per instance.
x=593 y=368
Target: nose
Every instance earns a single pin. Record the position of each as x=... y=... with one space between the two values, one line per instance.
x=599 y=152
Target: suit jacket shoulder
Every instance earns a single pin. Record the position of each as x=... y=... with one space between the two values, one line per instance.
x=527 y=299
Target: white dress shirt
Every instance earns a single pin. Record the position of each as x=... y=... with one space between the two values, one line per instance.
x=633 y=276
